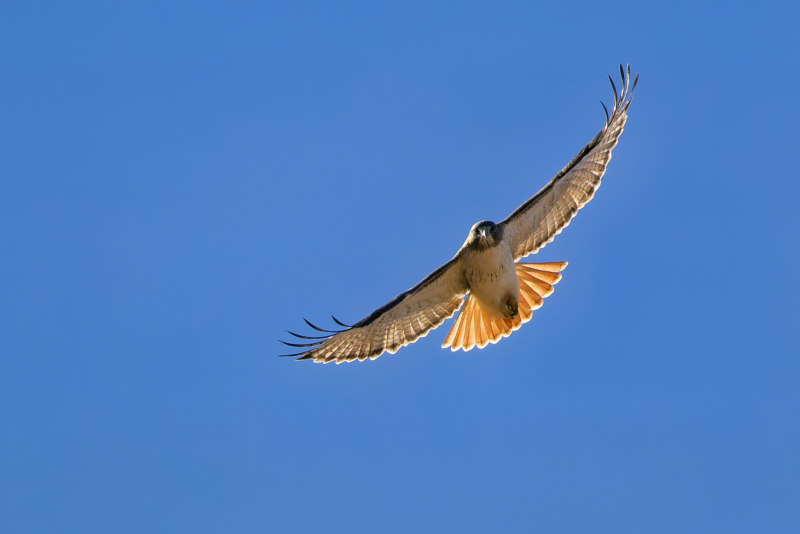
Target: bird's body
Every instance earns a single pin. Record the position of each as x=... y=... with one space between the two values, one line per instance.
x=488 y=266
x=498 y=292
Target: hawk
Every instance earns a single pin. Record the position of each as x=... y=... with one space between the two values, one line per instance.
x=498 y=293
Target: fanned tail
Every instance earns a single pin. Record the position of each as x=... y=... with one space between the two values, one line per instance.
x=472 y=327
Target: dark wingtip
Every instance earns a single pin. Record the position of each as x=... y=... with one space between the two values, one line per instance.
x=291 y=355
x=624 y=82
x=307 y=337
x=340 y=323
x=614 y=87
x=320 y=329
x=302 y=345
x=623 y=98
x=607 y=119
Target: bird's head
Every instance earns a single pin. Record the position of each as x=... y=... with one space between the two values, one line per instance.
x=484 y=234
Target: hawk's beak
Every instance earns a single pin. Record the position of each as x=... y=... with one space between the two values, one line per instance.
x=483 y=232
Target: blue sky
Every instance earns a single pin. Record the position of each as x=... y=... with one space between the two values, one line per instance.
x=182 y=181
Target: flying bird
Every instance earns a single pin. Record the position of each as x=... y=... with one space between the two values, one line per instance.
x=498 y=293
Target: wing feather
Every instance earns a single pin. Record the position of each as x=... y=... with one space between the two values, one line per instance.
x=536 y=222
x=403 y=320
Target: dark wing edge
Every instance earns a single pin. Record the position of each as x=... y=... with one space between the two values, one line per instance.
x=536 y=222
x=401 y=321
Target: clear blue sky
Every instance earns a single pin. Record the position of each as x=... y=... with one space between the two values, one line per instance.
x=182 y=181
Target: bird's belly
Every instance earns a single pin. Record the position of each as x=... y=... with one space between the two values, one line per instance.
x=492 y=277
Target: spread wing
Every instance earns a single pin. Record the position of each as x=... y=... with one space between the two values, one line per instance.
x=543 y=216
x=408 y=317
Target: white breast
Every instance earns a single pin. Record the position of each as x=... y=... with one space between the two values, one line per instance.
x=491 y=276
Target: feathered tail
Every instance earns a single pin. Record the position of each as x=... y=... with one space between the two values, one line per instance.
x=472 y=327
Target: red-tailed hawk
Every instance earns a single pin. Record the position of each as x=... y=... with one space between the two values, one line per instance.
x=498 y=294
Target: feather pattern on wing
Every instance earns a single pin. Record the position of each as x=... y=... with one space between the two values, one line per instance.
x=536 y=222
x=408 y=317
